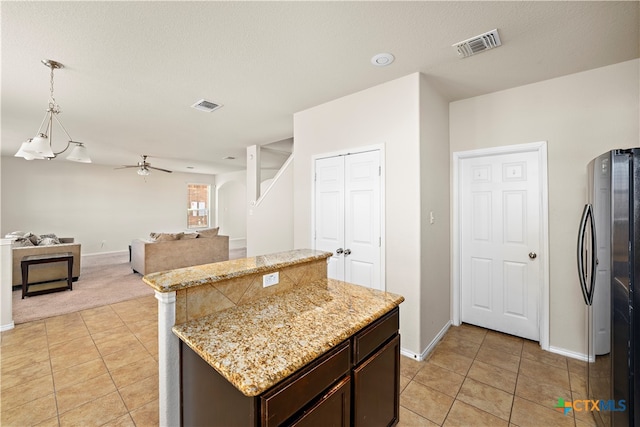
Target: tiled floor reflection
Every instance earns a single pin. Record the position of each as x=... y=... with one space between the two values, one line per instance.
x=476 y=377
x=99 y=367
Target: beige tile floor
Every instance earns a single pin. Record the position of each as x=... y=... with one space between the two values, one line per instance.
x=99 y=367
x=476 y=377
x=90 y=368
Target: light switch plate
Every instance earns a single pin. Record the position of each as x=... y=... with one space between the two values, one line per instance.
x=270 y=279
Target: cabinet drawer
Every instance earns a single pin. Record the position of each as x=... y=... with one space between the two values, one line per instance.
x=280 y=403
x=368 y=340
x=332 y=410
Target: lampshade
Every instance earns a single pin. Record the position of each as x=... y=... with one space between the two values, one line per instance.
x=79 y=154
x=40 y=146
x=26 y=155
x=143 y=171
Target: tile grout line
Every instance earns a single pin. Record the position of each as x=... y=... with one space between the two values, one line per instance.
x=107 y=368
x=515 y=388
x=53 y=378
x=466 y=375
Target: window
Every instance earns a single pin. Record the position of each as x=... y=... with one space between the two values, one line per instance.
x=198 y=205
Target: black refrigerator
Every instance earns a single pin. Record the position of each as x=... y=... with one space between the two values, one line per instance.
x=609 y=272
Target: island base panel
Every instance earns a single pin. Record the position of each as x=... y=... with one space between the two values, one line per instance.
x=208 y=399
x=333 y=390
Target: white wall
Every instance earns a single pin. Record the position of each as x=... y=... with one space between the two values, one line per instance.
x=580 y=116
x=435 y=260
x=269 y=222
x=104 y=209
x=231 y=194
x=386 y=115
x=232 y=208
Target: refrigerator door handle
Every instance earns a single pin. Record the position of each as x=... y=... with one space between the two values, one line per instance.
x=583 y=275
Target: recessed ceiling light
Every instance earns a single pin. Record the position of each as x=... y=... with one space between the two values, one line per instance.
x=382 y=59
x=228 y=158
x=190 y=167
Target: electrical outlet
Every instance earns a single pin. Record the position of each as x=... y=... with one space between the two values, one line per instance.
x=270 y=279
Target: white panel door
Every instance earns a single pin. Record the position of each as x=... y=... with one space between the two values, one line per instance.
x=500 y=238
x=347 y=215
x=362 y=219
x=329 y=212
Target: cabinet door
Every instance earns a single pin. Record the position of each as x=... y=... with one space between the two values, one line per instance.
x=332 y=410
x=376 y=387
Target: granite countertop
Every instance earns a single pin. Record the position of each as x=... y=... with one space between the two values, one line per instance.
x=255 y=346
x=173 y=280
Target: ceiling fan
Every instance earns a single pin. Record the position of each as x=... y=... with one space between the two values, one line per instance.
x=144 y=167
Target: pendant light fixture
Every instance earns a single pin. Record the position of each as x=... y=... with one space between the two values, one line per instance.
x=40 y=146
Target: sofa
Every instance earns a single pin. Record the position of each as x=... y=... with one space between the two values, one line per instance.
x=45 y=272
x=168 y=251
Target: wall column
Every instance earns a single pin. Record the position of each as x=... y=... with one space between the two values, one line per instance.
x=253 y=174
x=6 y=285
x=168 y=361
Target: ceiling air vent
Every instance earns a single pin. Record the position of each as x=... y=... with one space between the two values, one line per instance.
x=478 y=44
x=206 y=106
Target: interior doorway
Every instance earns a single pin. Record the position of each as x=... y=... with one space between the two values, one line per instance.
x=500 y=277
x=347 y=216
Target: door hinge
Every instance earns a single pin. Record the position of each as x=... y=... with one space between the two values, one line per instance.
x=379 y=242
x=379 y=170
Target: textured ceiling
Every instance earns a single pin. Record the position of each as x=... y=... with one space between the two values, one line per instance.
x=132 y=69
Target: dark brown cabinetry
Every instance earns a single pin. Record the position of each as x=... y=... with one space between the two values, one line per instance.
x=355 y=383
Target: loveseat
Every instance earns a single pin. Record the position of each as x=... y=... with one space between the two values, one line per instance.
x=46 y=272
x=168 y=251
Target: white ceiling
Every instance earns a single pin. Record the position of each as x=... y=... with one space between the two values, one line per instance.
x=133 y=69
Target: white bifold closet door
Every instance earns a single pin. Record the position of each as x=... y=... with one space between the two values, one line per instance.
x=347 y=216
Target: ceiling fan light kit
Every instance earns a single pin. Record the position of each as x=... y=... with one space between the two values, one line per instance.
x=144 y=167
x=40 y=146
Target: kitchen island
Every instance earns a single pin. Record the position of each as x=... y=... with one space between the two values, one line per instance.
x=296 y=350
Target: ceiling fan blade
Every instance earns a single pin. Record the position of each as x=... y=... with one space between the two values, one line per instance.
x=127 y=166
x=158 y=169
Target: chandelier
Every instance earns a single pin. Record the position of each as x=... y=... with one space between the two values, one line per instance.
x=40 y=146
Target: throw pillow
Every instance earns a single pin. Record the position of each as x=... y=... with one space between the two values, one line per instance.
x=22 y=241
x=187 y=236
x=14 y=234
x=48 y=239
x=165 y=237
x=210 y=232
x=33 y=237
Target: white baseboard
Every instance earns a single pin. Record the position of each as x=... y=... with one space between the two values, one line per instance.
x=569 y=353
x=420 y=357
x=409 y=354
x=238 y=243
x=7 y=326
x=106 y=253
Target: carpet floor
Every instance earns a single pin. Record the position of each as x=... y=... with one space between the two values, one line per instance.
x=104 y=279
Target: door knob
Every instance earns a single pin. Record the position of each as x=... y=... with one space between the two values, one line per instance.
x=339 y=251
x=347 y=251
x=533 y=255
